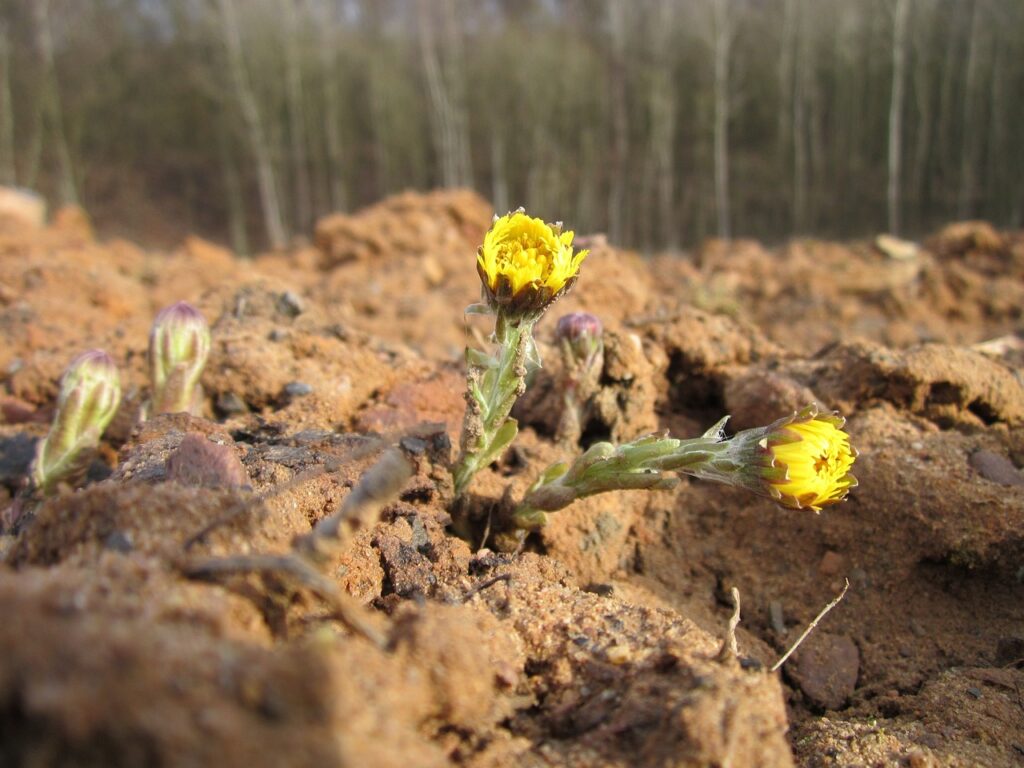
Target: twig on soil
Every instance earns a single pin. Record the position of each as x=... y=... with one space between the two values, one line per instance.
x=730 y=648
x=810 y=627
x=477 y=588
x=375 y=489
x=296 y=571
x=303 y=477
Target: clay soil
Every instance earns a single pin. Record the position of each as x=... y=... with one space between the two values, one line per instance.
x=600 y=643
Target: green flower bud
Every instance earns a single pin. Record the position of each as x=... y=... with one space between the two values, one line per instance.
x=178 y=347
x=90 y=391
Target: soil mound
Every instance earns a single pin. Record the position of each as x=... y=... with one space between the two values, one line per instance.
x=601 y=643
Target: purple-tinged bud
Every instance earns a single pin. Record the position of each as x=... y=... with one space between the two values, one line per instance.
x=178 y=347
x=583 y=333
x=90 y=392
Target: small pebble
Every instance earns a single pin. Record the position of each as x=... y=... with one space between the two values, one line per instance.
x=277 y=335
x=619 y=654
x=975 y=692
x=289 y=304
x=999 y=469
x=119 y=541
x=230 y=404
x=297 y=389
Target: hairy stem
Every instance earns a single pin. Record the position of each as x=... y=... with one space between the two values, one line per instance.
x=493 y=387
x=641 y=464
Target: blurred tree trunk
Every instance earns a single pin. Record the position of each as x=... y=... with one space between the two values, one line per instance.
x=662 y=109
x=259 y=145
x=618 y=168
x=499 y=180
x=233 y=191
x=8 y=172
x=801 y=69
x=784 y=115
x=723 y=34
x=328 y=46
x=899 y=72
x=443 y=71
x=923 y=60
x=971 y=106
x=52 y=110
x=296 y=114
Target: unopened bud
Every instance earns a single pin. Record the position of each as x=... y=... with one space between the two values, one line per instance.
x=90 y=391
x=178 y=347
x=583 y=333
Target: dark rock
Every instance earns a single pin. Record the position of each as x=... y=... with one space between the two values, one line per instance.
x=119 y=541
x=230 y=404
x=997 y=468
x=297 y=389
x=289 y=304
x=16 y=454
x=826 y=668
x=200 y=462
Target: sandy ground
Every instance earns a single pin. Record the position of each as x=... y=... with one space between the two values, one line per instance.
x=599 y=644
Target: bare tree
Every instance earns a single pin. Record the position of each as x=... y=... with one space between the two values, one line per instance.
x=616 y=12
x=442 y=69
x=968 y=154
x=724 y=24
x=8 y=173
x=52 y=110
x=801 y=78
x=328 y=48
x=662 y=109
x=291 y=31
x=899 y=74
x=266 y=178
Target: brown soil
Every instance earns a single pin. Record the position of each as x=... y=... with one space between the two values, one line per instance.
x=599 y=645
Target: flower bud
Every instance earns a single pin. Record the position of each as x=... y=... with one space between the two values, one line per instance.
x=178 y=347
x=582 y=332
x=90 y=391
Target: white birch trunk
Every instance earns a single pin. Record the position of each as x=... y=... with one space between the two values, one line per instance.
x=296 y=116
x=265 y=176
x=899 y=58
x=723 y=32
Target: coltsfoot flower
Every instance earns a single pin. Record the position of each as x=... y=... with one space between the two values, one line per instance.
x=802 y=461
x=90 y=392
x=815 y=456
x=178 y=347
x=525 y=264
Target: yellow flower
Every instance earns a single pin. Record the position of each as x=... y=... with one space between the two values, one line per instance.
x=525 y=264
x=812 y=458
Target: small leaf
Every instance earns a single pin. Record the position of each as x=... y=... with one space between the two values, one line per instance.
x=717 y=432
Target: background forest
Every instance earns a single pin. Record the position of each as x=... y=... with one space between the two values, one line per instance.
x=657 y=121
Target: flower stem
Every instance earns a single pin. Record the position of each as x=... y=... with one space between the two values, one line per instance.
x=640 y=464
x=494 y=384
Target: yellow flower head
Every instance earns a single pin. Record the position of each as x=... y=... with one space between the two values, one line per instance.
x=525 y=264
x=811 y=457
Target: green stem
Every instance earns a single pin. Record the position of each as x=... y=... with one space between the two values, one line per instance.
x=494 y=386
x=641 y=464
